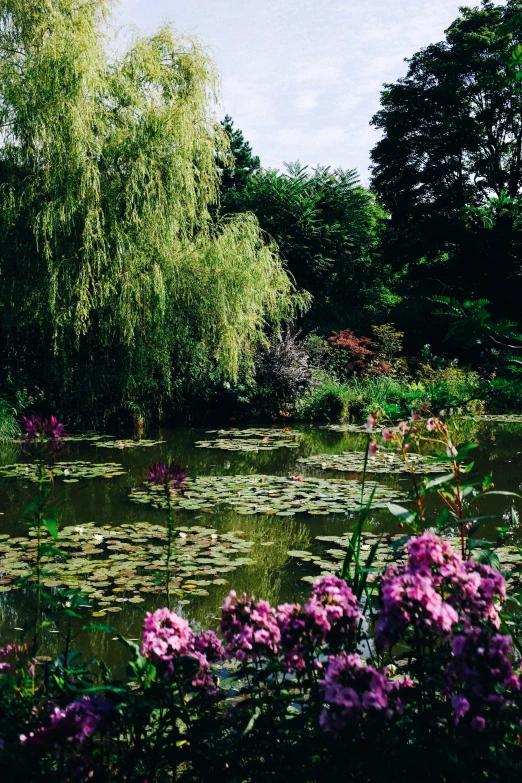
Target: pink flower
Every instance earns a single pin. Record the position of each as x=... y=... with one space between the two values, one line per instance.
x=414 y=417
x=249 y=627
x=373 y=448
x=371 y=421
x=386 y=435
x=432 y=424
x=403 y=428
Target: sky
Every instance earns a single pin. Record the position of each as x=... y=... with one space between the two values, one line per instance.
x=302 y=78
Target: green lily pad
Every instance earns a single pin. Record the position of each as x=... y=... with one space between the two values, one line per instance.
x=382 y=462
x=256 y=494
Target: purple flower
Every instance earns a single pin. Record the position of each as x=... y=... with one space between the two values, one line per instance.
x=353 y=691
x=296 y=641
x=77 y=721
x=170 y=644
x=165 y=635
x=333 y=612
x=478 y=723
x=480 y=672
x=434 y=590
x=208 y=644
x=475 y=590
x=172 y=475
x=37 y=429
x=410 y=600
x=249 y=627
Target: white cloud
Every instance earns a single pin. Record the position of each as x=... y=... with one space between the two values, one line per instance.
x=302 y=78
x=306 y=101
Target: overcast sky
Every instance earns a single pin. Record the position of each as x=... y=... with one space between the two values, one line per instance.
x=302 y=78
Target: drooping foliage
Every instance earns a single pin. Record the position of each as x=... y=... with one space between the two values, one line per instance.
x=327 y=227
x=449 y=164
x=113 y=275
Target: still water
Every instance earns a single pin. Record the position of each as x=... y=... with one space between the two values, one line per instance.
x=273 y=574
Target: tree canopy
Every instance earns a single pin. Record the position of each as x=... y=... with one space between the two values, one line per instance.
x=449 y=165
x=110 y=262
x=327 y=228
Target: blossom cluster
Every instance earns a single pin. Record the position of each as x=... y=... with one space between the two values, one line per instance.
x=77 y=721
x=433 y=591
x=255 y=629
x=173 y=647
x=353 y=690
x=35 y=428
x=171 y=475
x=480 y=676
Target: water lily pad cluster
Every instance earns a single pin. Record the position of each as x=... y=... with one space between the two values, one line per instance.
x=256 y=432
x=113 y=566
x=264 y=439
x=68 y=472
x=258 y=494
x=330 y=561
x=126 y=443
x=248 y=444
x=352 y=427
x=382 y=462
x=508 y=418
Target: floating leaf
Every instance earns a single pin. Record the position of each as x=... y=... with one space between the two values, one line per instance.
x=382 y=462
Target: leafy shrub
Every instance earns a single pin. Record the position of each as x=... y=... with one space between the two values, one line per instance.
x=283 y=370
x=9 y=429
x=353 y=356
x=330 y=400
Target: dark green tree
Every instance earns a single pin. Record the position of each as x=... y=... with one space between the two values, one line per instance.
x=327 y=227
x=239 y=165
x=449 y=165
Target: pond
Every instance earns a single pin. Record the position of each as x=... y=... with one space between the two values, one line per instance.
x=262 y=514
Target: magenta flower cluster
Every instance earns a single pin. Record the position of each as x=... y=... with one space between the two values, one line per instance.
x=77 y=721
x=353 y=690
x=249 y=628
x=37 y=429
x=480 y=677
x=255 y=629
x=171 y=475
x=168 y=641
x=434 y=591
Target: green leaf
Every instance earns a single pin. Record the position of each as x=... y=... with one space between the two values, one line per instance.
x=251 y=722
x=51 y=526
x=405 y=514
x=436 y=482
x=463 y=452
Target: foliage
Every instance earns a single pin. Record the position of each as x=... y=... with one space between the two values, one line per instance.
x=9 y=429
x=448 y=165
x=283 y=370
x=236 y=173
x=327 y=228
x=353 y=356
x=110 y=258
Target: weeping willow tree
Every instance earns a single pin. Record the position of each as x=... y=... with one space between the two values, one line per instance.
x=113 y=273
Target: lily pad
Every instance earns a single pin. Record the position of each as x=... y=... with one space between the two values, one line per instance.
x=278 y=495
x=382 y=462
x=109 y=577
x=68 y=472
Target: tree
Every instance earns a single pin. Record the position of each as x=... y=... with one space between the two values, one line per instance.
x=113 y=275
x=452 y=145
x=327 y=228
x=236 y=172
